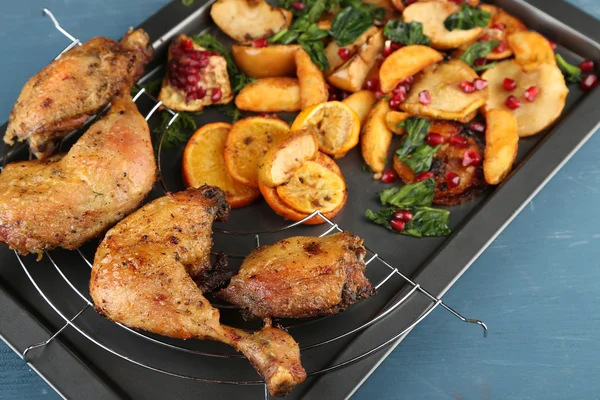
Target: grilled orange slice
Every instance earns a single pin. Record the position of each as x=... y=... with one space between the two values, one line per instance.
x=203 y=163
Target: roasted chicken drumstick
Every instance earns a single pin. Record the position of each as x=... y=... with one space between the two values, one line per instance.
x=301 y=277
x=146 y=274
x=68 y=199
x=73 y=88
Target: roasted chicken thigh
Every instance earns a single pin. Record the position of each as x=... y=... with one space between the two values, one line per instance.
x=68 y=199
x=147 y=272
x=301 y=277
x=73 y=88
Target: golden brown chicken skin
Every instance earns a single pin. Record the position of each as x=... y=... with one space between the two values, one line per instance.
x=68 y=199
x=146 y=274
x=73 y=88
x=301 y=277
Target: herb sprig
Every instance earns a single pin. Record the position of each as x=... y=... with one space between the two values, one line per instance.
x=479 y=50
x=405 y=33
x=468 y=17
x=179 y=131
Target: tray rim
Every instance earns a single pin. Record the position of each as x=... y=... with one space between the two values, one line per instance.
x=569 y=16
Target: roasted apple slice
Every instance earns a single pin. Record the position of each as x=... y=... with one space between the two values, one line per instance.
x=404 y=63
x=265 y=62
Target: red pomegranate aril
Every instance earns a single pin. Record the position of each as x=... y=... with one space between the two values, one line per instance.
x=389 y=176
x=509 y=84
x=500 y=48
x=471 y=157
x=424 y=175
x=498 y=26
x=201 y=92
x=397 y=225
x=452 y=180
x=459 y=2
x=459 y=141
x=216 y=95
x=193 y=79
x=332 y=96
x=589 y=82
x=531 y=93
x=344 y=53
x=552 y=44
x=192 y=96
x=261 y=42
x=395 y=102
x=408 y=81
x=190 y=89
x=425 y=97
x=512 y=102
x=480 y=62
x=343 y=95
x=372 y=84
x=403 y=215
x=215 y=54
x=484 y=38
x=298 y=5
x=467 y=87
x=387 y=50
x=187 y=44
x=587 y=66
x=396 y=46
x=480 y=84
x=477 y=127
x=379 y=94
x=434 y=139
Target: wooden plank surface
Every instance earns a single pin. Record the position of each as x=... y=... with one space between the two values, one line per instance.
x=537 y=286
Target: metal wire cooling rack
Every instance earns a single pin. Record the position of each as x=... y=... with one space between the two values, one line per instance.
x=373 y=258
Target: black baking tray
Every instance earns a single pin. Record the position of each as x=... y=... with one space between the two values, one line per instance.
x=78 y=369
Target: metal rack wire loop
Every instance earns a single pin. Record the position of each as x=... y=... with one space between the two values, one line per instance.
x=415 y=288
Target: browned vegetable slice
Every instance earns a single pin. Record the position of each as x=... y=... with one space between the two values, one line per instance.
x=501 y=145
x=531 y=50
x=393 y=118
x=265 y=62
x=270 y=95
x=361 y=103
x=376 y=137
x=404 y=63
x=313 y=88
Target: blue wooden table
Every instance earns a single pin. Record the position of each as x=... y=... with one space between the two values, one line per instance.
x=537 y=286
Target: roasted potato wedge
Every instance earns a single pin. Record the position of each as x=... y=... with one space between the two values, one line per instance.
x=532 y=117
x=332 y=49
x=266 y=62
x=404 y=63
x=244 y=20
x=501 y=145
x=432 y=15
x=393 y=118
x=376 y=137
x=351 y=75
x=270 y=95
x=361 y=103
x=281 y=161
x=313 y=89
x=203 y=163
x=448 y=101
x=281 y=208
x=531 y=50
x=247 y=142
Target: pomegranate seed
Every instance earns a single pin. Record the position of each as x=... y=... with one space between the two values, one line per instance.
x=190 y=89
x=509 y=84
x=201 y=92
x=409 y=2
x=500 y=48
x=298 y=5
x=531 y=93
x=408 y=81
x=260 y=42
x=216 y=95
x=379 y=94
x=332 y=96
x=401 y=89
x=452 y=180
x=188 y=44
x=396 y=101
x=372 y=84
x=480 y=62
x=387 y=50
x=484 y=38
x=403 y=215
x=397 y=225
x=459 y=2
x=477 y=127
x=467 y=87
x=587 y=66
x=552 y=44
x=589 y=82
x=344 y=53
x=424 y=175
x=267 y=115
x=215 y=54
x=459 y=141
x=389 y=176
x=500 y=27
x=424 y=97
x=192 y=96
x=480 y=84
x=343 y=94
x=434 y=139
x=193 y=79
x=471 y=157
x=396 y=46
x=512 y=102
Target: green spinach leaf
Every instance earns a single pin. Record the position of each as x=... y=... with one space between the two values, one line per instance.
x=236 y=76
x=412 y=195
x=468 y=17
x=420 y=160
x=478 y=50
x=426 y=222
x=572 y=73
x=349 y=24
x=405 y=33
x=416 y=130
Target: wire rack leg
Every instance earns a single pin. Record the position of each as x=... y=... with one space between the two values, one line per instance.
x=51 y=338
